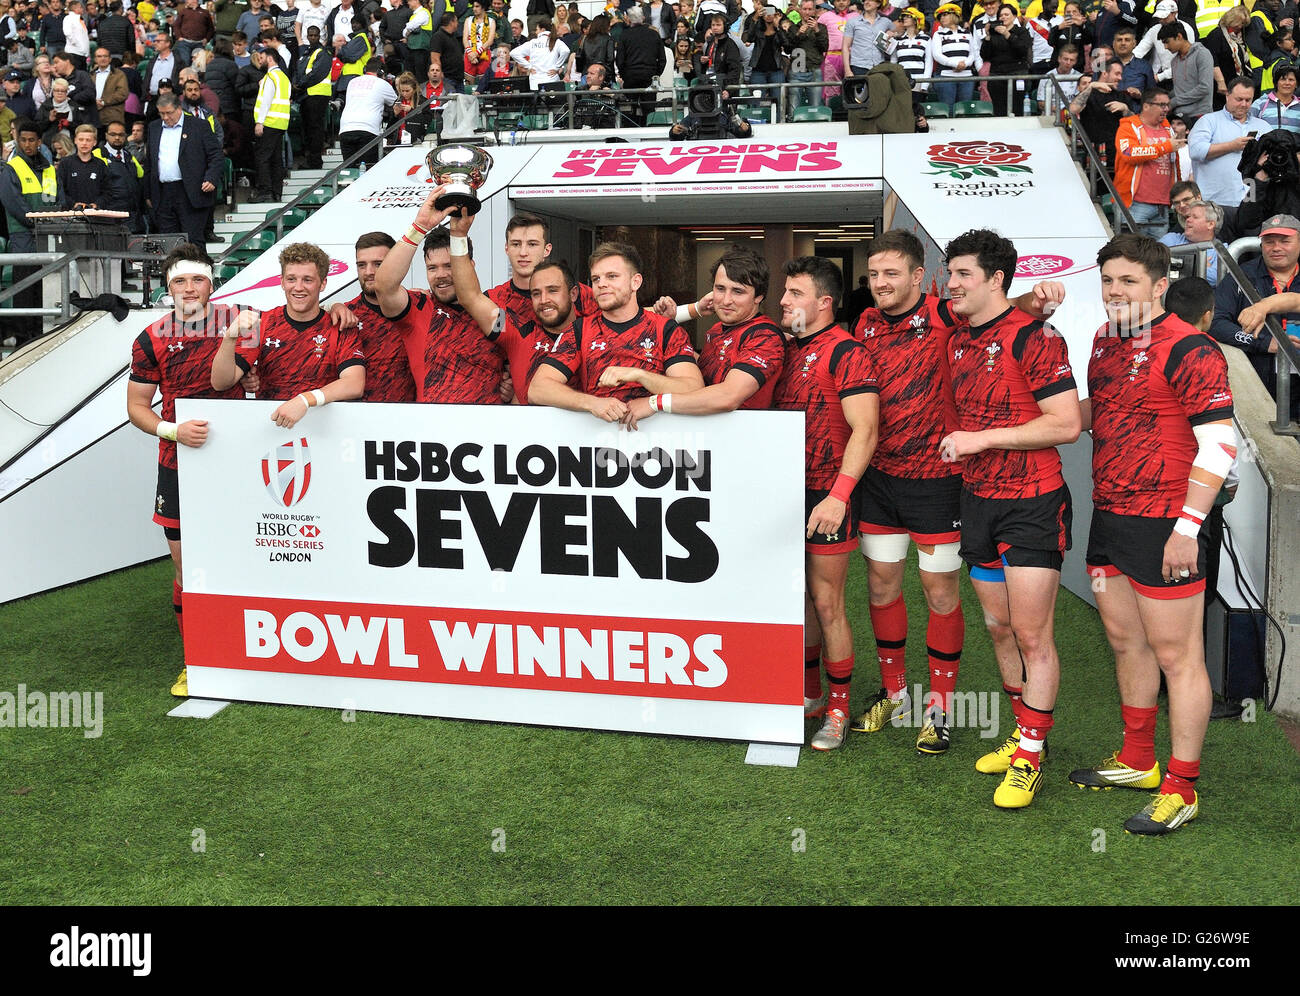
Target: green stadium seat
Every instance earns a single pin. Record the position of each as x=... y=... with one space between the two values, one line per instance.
x=937 y=109
x=659 y=118
x=290 y=220
x=536 y=122
x=156 y=294
x=836 y=104
x=811 y=114
x=972 y=109
x=226 y=271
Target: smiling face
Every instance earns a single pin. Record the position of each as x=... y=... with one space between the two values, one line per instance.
x=553 y=300
x=437 y=269
x=190 y=293
x=1006 y=17
x=614 y=283
x=1130 y=295
x=970 y=290
x=302 y=285
x=1280 y=251
x=895 y=283
x=734 y=302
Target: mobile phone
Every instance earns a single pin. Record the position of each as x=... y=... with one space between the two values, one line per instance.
x=1252 y=134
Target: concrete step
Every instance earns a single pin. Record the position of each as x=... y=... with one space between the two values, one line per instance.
x=258 y=211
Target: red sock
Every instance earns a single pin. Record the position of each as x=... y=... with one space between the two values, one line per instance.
x=1014 y=695
x=1139 y=737
x=944 y=635
x=812 y=671
x=839 y=674
x=1034 y=726
x=1181 y=777
x=176 y=604
x=890 y=625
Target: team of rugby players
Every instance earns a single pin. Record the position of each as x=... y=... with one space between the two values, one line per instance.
x=933 y=422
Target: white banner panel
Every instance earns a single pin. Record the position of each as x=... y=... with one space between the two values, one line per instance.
x=520 y=565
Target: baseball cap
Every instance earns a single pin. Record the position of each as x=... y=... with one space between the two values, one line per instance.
x=13 y=74
x=1281 y=224
x=1166 y=7
x=259 y=47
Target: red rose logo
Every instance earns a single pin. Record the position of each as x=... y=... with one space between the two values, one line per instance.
x=966 y=159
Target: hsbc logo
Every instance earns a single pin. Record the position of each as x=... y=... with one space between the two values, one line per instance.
x=286 y=472
x=309 y=531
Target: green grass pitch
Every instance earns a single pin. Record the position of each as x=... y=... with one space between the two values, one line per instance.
x=295 y=805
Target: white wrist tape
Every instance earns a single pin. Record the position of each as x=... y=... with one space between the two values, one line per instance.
x=319 y=395
x=1217 y=448
x=166 y=430
x=305 y=400
x=683 y=313
x=666 y=403
x=1186 y=527
x=459 y=245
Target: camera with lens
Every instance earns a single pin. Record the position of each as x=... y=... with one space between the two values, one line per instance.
x=1275 y=154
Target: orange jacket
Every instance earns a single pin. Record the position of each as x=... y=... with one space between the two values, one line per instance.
x=1136 y=146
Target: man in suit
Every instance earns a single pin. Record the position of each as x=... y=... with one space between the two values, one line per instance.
x=182 y=149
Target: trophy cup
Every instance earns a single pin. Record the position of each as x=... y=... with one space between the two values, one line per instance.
x=462 y=169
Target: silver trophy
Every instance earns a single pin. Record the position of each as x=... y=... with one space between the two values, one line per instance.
x=462 y=169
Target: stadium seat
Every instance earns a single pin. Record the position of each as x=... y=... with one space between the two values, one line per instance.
x=811 y=114
x=226 y=271
x=349 y=175
x=317 y=198
x=536 y=122
x=290 y=220
x=156 y=294
x=659 y=118
x=836 y=104
x=972 y=109
x=937 y=109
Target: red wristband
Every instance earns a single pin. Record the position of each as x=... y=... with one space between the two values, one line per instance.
x=844 y=485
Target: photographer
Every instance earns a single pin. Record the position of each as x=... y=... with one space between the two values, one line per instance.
x=689 y=128
x=771 y=48
x=1270 y=169
x=718 y=59
x=809 y=44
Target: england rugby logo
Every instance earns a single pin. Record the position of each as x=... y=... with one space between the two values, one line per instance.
x=964 y=160
x=286 y=472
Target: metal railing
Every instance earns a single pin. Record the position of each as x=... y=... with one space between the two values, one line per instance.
x=72 y=271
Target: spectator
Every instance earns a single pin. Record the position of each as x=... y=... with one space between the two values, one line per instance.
x=138 y=144
x=1228 y=49
x=1217 y=141
x=239 y=50
x=1039 y=26
x=317 y=88
x=499 y=12
x=406 y=109
x=517 y=36
x=639 y=57
x=1191 y=72
x=1113 y=15
x=1138 y=76
x=248 y=21
x=1065 y=73
x=126 y=188
x=345 y=19
x=538 y=11
x=201 y=103
x=52 y=36
x=479 y=37
x=111 y=89
x=81 y=88
x=22 y=52
x=1275 y=272
x=247 y=82
x=220 y=77
x=312 y=14
x=17 y=103
x=659 y=15
x=909 y=46
x=597 y=46
x=718 y=60
x=192 y=28
x=833 y=67
x=809 y=44
x=1181 y=196
x=1200 y=224
x=363 y=113
x=1146 y=163
x=683 y=58
x=115 y=32
x=1074 y=29
x=185 y=168
x=418 y=33
x=270 y=122
x=1099 y=109
x=1006 y=50
x=545 y=57
x=82 y=179
x=954 y=50
x=165 y=66
x=860 y=49
x=769 y=52
x=42 y=80
x=1150 y=47
x=447 y=49
x=1259 y=30
x=1281 y=108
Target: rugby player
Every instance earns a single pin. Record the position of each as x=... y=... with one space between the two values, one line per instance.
x=828 y=376
x=623 y=335
x=1016 y=401
x=173 y=356
x=553 y=289
x=388 y=370
x=528 y=242
x=1160 y=412
x=302 y=359
x=743 y=351
x=451 y=363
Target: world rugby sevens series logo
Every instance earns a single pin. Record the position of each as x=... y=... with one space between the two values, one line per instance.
x=964 y=160
x=286 y=472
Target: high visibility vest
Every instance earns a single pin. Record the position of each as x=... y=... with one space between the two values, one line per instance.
x=1255 y=61
x=139 y=170
x=1208 y=13
x=273 y=94
x=325 y=88
x=39 y=193
x=358 y=67
x=420 y=39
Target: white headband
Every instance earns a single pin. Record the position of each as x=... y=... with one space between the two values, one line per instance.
x=184 y=266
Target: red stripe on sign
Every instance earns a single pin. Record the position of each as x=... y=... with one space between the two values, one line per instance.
x=611 y=655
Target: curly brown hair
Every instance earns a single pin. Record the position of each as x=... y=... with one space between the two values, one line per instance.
x=305 y=252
